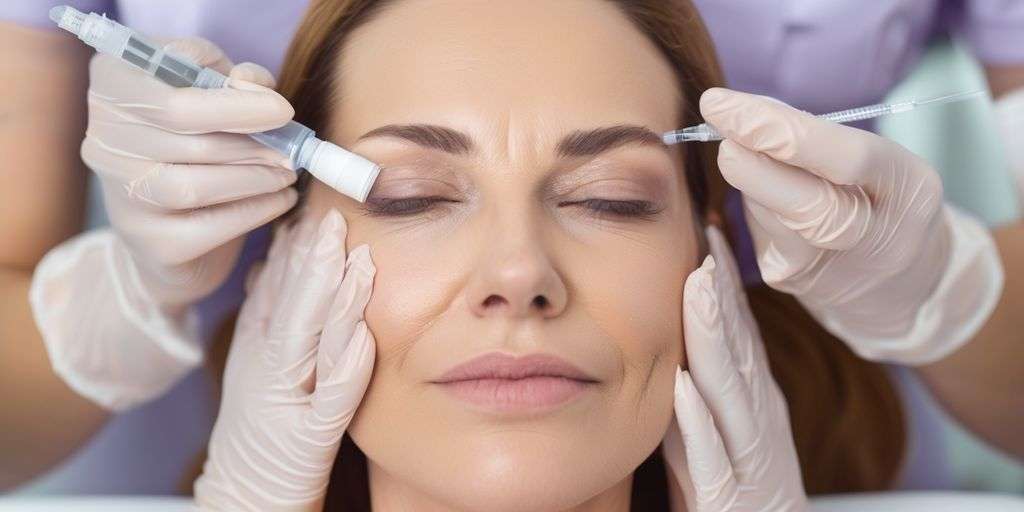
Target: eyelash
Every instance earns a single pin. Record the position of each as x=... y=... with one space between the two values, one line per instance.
x=403 y=207
x=635 y=209
x=598 y=207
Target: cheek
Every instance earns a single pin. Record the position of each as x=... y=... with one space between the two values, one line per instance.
x=413 y=286
x=635 y=298
x=408 y=295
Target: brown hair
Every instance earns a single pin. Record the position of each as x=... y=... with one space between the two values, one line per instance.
x=847 y=420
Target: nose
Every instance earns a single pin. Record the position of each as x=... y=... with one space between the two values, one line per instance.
x=516 y=279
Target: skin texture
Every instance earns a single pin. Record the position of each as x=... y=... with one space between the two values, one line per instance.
x=517 y=258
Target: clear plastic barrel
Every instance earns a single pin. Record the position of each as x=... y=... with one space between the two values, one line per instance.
x=858 y=114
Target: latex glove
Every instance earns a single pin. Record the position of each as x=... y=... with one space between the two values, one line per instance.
x=1010 y=115
x=181 y=194
x=854 y=226
x=733 y=448
x=297 y=369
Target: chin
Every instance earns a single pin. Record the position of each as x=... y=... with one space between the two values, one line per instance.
x=523 y=471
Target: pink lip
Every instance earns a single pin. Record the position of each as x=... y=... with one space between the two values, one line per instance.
x=505 y=383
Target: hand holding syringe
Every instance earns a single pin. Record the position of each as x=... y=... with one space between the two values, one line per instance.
x=707 y=133
x=342 y=170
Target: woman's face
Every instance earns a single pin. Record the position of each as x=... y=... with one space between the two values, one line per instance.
x=526 y=208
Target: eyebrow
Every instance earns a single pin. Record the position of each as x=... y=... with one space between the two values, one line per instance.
x=599 y=140
x=426 y=135
x=576 y=144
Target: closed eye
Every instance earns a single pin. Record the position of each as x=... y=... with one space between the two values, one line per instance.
x=402 y=207
x=616 y=208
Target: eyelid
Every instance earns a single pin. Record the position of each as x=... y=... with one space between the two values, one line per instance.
x=629 y=189
x=412 y=185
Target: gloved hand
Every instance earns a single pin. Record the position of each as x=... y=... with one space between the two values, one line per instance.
x=733 y=449
x=855 y=227
x=180 y=193
x=297 y=369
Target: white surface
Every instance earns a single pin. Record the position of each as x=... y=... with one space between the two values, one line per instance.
x=888 y=502
x=918 y=502
x=96 y=504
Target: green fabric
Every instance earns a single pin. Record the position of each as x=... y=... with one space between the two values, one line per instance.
x=959 y=139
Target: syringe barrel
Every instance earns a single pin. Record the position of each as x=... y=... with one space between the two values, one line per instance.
x=110 y=37
x=288 y=140
x=858 y=114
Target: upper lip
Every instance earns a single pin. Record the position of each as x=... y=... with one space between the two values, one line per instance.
x=496 y=365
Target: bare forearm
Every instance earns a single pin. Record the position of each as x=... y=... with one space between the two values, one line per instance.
x=982 y=383
x=43 y=421
x=1004 y=79
x=42 y=118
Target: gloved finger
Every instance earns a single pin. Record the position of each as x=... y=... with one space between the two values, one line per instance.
x=732 y=286
x=252 y=72
x=337 y=396
x=728 y=269
x=673 y=451
x=347 y=309
x=169 y=186
x=709 y=467
x=114 y=134
x=243 y=107
x=202 y=52
x=841 y=154
x=177 y=238
x=302 y=313
x=740 y=330
x=299 y=239
x=264 y=277
x=782 y=254
x=748 y=352
x=711 y=363
x=186 y=187
x=828 y=216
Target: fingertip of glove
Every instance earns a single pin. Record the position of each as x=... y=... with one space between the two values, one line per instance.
x=253 y=73
x=728 y=152
x=291 y=196
x=701 y=277
x=360 y=259
x=699 y=294
x=714 y=100
x=680 y=377
x=278 y=110
x=333 y=221
x=684 y=391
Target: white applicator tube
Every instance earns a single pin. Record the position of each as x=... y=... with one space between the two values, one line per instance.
x=342 y=170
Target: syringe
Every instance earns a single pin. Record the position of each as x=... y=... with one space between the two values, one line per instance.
x=342 y=170
x=704 y=132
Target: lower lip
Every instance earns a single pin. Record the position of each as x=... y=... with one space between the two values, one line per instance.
x=519 y=395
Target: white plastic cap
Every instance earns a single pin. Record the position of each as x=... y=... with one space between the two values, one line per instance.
x=67 y=18
x=343 y=170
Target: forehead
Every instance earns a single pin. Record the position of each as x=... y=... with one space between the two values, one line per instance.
x=518 y=70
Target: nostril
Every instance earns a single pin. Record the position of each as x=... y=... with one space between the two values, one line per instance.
x=494 y=300
x=540 y=302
